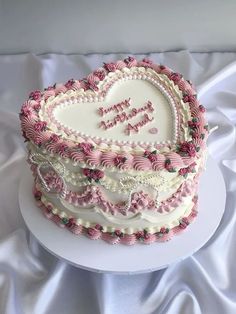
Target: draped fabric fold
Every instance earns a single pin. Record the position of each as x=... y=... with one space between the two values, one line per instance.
x=34 y=281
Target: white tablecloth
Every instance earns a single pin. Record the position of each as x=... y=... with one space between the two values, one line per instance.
x=34 y=282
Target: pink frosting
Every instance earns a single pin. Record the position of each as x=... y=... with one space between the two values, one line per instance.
x=47 y=214
x=145 y=63
x=165 y=70
x=149 y=238
x=77 y=156
x=128 y=239
x=85 y=147
x=84 y=85
x=153 y=130
x=189 y=98
x=175 y=159
x=175 y=77
x=140 y=201
x=110 y=238
x=56 y=218
x=159 y=163
x=76 y=229
x=93 y=81
x=60 y=88
x=156 y=67
x=93 y=158
x=177 y=198
x=27 y=110
x=49 y=93
x=35 y=95
x=51 y=147
x=198 y=142
x=107 y=159
x=120 y=65
x=165 y=237
x=53 y=181
x=130 y=62
x=62 y=149
x=110 y=67
x=100 y=73
x=28 y=122
x=195 y=111
x=76 y=85
x=41 y=138
x=93 y=233
x=187 y=160
x=141 y=163
x=123 y=161
x=184 y=86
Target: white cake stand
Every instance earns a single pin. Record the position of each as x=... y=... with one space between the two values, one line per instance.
x=99 y=256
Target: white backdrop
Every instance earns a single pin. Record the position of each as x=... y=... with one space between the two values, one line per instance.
x=34 y=282
x=88 y=26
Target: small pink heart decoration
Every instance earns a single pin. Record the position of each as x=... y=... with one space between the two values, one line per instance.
x=153 y=130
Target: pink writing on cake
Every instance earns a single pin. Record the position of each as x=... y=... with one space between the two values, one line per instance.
x=122 y=117
x=135 y=128
x=117 y=107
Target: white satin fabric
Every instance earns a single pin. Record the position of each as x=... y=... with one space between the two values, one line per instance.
x=32 y=281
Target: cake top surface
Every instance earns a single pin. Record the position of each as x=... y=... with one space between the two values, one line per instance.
x=127 y=114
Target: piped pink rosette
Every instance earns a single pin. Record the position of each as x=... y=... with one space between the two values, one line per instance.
x=123 y=161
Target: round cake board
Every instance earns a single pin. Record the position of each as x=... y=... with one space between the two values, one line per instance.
x=99 y=256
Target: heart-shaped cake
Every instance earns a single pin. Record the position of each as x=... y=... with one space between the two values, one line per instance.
x=117 y=155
